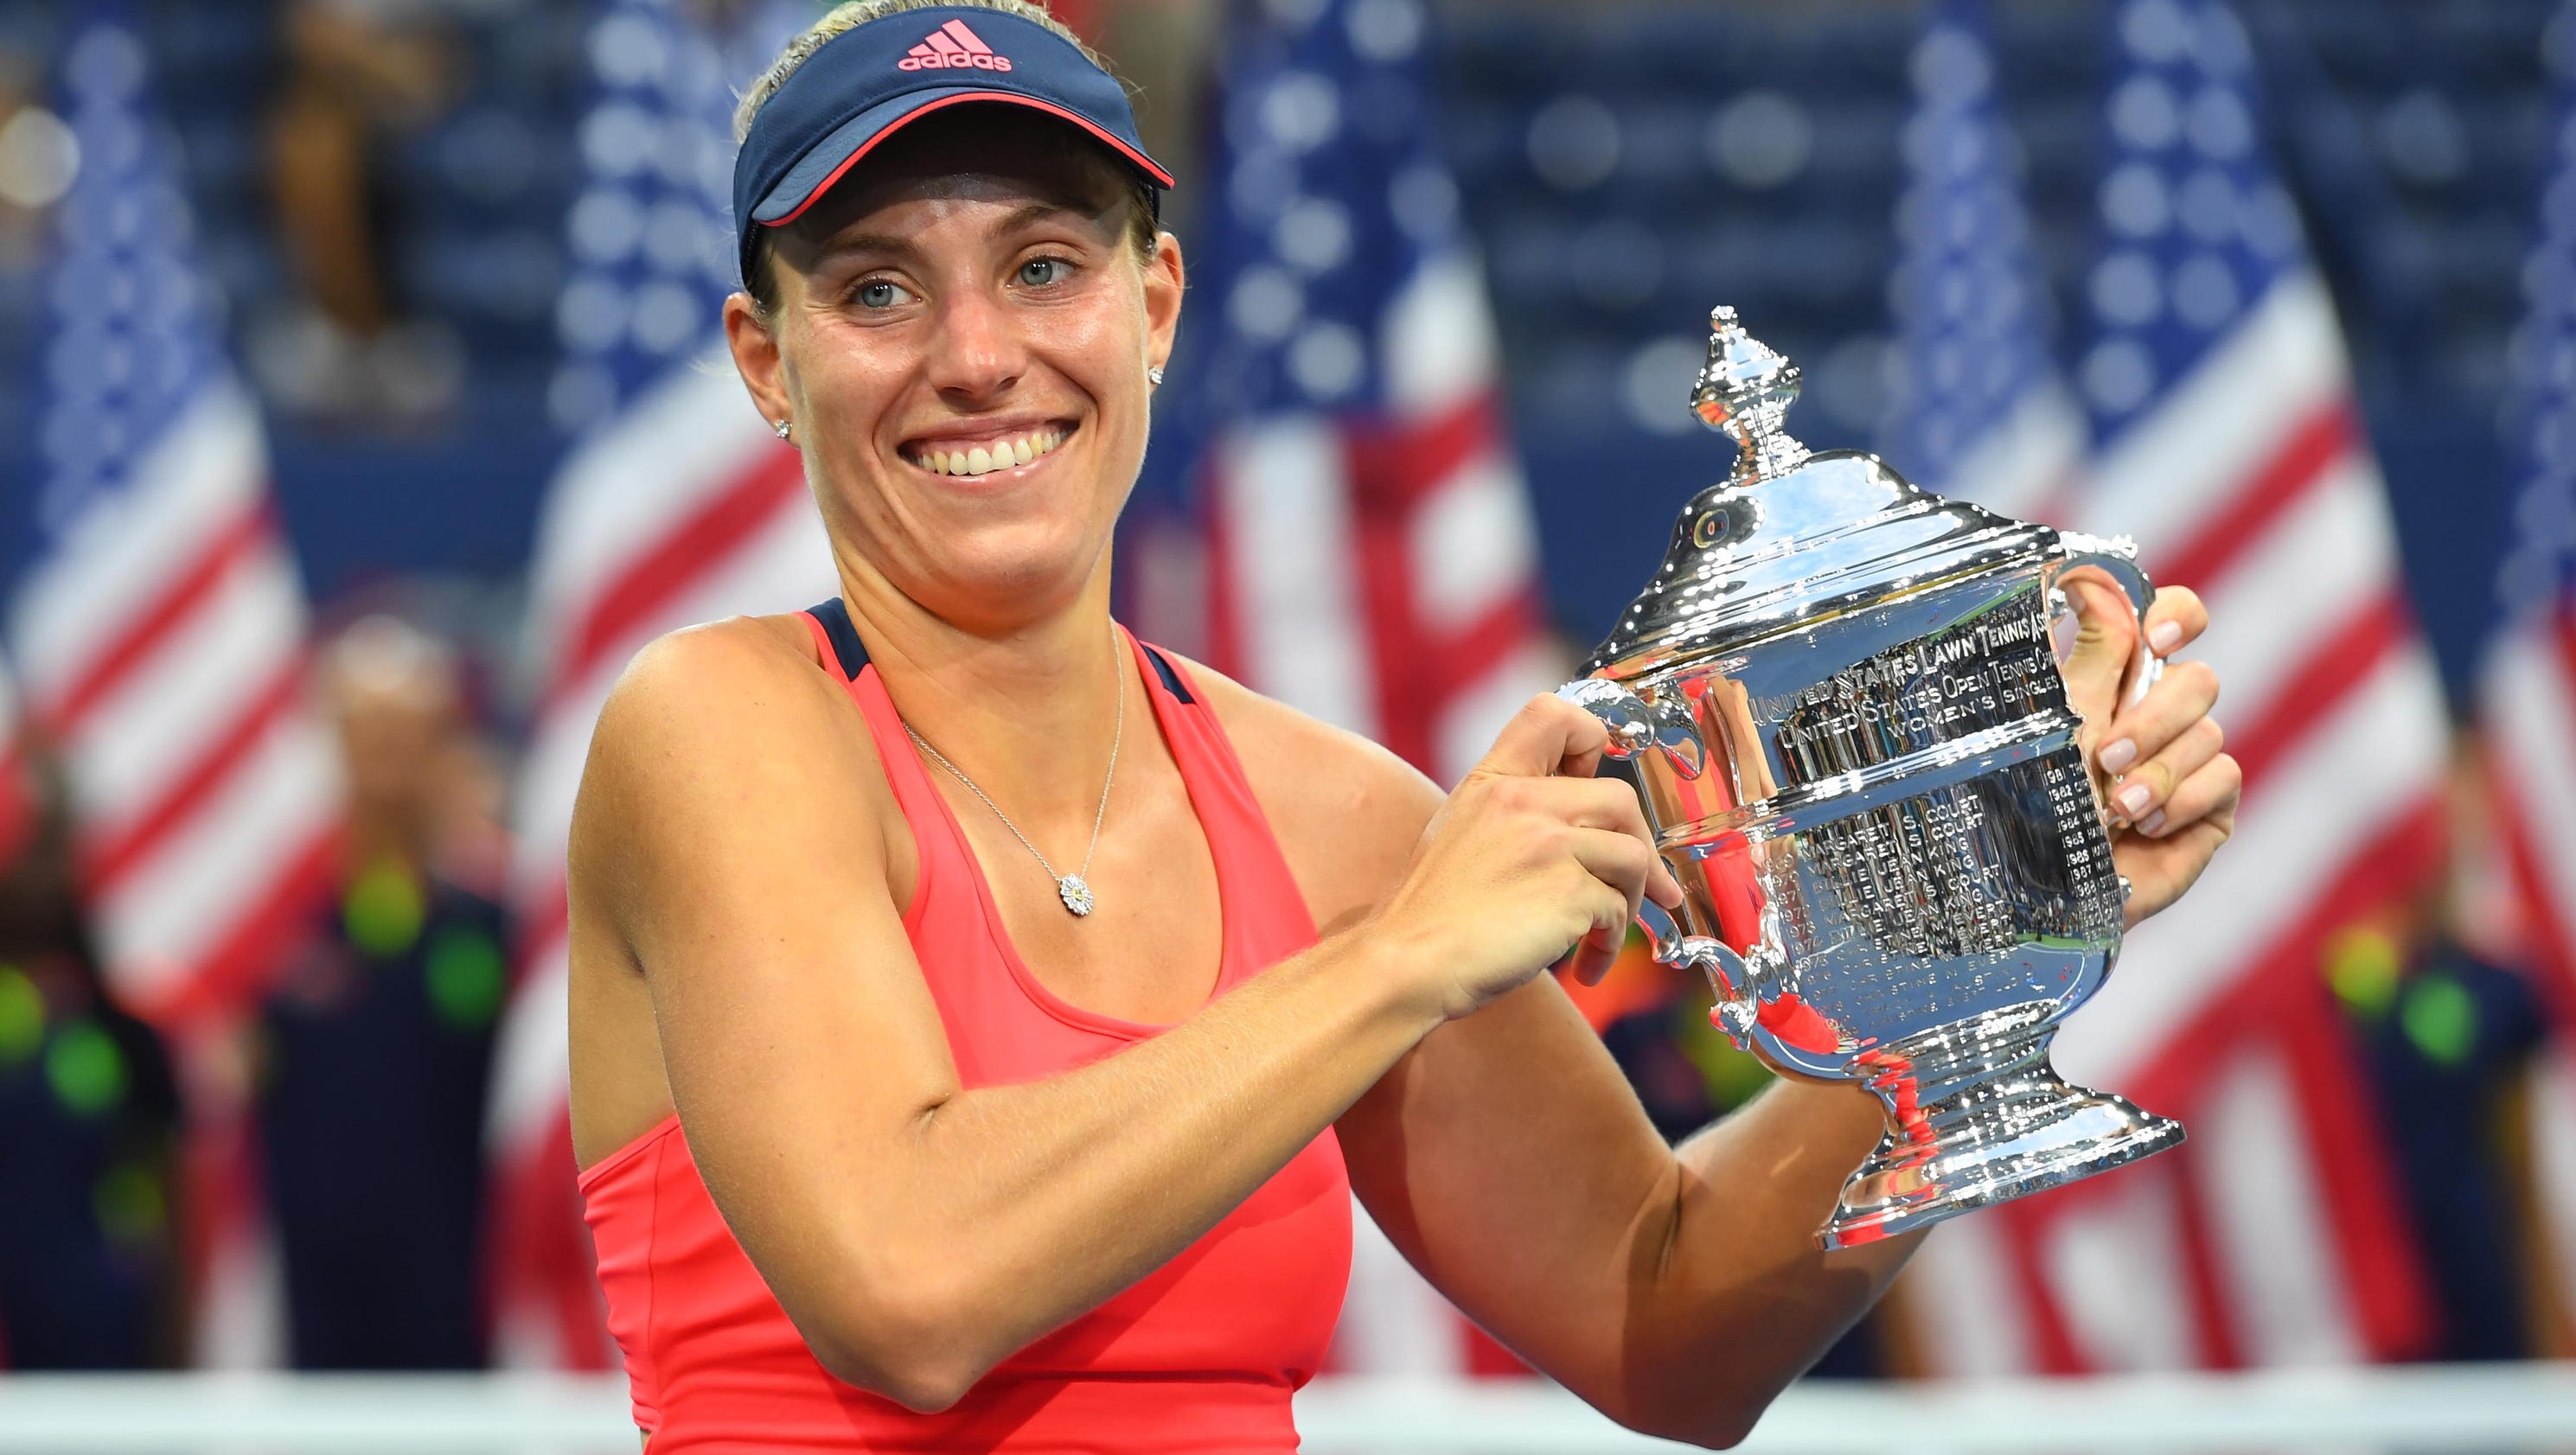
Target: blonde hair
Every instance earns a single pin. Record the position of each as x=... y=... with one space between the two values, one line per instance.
x=760 y=282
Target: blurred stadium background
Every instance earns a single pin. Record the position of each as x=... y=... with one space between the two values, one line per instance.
x=356 y=428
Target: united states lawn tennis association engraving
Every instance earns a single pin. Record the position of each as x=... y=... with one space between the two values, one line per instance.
x=1991 y=669
x=1970 y=872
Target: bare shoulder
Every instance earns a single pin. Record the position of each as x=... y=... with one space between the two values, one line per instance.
x=1348 y=812
x=728 y=784
x=727 y=688
x=717 y=729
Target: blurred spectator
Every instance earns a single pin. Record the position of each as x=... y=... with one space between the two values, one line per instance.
x=89 y=1115
x=2451 y=1028
x=360 y=76
x=377 y=1043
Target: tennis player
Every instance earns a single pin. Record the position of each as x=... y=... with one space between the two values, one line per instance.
x=981 y=1019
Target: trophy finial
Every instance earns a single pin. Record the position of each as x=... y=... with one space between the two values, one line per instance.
x=1745 y=391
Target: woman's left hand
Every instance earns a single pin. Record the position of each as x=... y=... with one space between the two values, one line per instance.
x=2172 y=793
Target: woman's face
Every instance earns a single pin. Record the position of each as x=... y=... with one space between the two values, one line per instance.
x=961 y=338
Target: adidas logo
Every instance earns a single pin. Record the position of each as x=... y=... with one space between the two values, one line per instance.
x=953 y=47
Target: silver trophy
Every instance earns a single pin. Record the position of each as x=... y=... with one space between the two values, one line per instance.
x=1841 y=707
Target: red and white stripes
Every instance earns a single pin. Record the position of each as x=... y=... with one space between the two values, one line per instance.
x=1385 y=578
x=685 y=509
x=162 y=647
x=2273 y=1236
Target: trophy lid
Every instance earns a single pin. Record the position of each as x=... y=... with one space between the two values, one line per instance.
x=1793 y=535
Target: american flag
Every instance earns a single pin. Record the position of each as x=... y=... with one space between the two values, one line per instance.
x=160 y=630
x=1371 y=558
x=1368 y=548
x=2228 y=444
x=160 y=634
x=1977 y=408
x=676 y=505
x=2527 y=692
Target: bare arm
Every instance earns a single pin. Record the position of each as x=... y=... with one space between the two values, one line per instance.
x=731 y=826
x=1679 y=1290
x=1676 y=1290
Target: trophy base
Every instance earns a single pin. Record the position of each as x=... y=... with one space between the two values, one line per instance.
x=1976 y=1116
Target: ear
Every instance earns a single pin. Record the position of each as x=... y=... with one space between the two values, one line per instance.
x=1163 y=280
x=756 y=358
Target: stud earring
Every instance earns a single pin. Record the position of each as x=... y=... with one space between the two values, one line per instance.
x=785 y=428
x=1154 y=374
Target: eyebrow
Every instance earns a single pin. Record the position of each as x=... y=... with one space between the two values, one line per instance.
x=1025 y=215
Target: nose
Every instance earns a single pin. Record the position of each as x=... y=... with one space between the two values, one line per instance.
x=980 y=351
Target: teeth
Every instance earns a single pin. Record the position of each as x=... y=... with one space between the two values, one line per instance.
x=985 y=459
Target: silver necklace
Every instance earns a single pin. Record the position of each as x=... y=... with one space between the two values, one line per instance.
x=1072 y=888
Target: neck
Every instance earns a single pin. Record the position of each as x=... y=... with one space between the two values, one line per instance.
x=1027 y=708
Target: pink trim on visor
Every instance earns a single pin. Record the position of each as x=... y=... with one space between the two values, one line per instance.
x=1014 y=98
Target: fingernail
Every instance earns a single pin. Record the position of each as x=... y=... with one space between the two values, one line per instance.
x=2133 y=799
x=2166 y=637
x=2119 y=754
x=2152 y=822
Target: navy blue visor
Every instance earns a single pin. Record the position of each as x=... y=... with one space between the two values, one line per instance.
x=862 y=85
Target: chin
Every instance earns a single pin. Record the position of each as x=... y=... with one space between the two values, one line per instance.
x=1016 y=572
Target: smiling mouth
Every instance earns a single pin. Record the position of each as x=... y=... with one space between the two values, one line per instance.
x=987 y=456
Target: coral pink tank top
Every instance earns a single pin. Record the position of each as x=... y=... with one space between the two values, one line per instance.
x=1201 y=1355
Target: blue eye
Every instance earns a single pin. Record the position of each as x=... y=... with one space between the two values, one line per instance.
x=1039 y=272
x=879 y=293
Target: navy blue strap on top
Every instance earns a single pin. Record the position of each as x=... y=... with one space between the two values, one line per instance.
x=853 y=655
x=1171 y=679
x=846 y=646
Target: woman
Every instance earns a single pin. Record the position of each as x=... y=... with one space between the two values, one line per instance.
x=996 y=1011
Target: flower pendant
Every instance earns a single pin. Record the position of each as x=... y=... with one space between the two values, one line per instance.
x=1077 y=895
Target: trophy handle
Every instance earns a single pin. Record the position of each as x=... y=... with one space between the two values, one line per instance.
x=2117 y=557
x=1755 y=1003
x=1636 y=727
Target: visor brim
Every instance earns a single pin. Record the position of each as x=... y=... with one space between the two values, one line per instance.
x=831 y=158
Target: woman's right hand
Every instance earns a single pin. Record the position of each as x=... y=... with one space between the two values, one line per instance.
x=1530 y=857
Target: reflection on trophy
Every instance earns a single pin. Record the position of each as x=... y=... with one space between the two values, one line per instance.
x=1840 y=705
